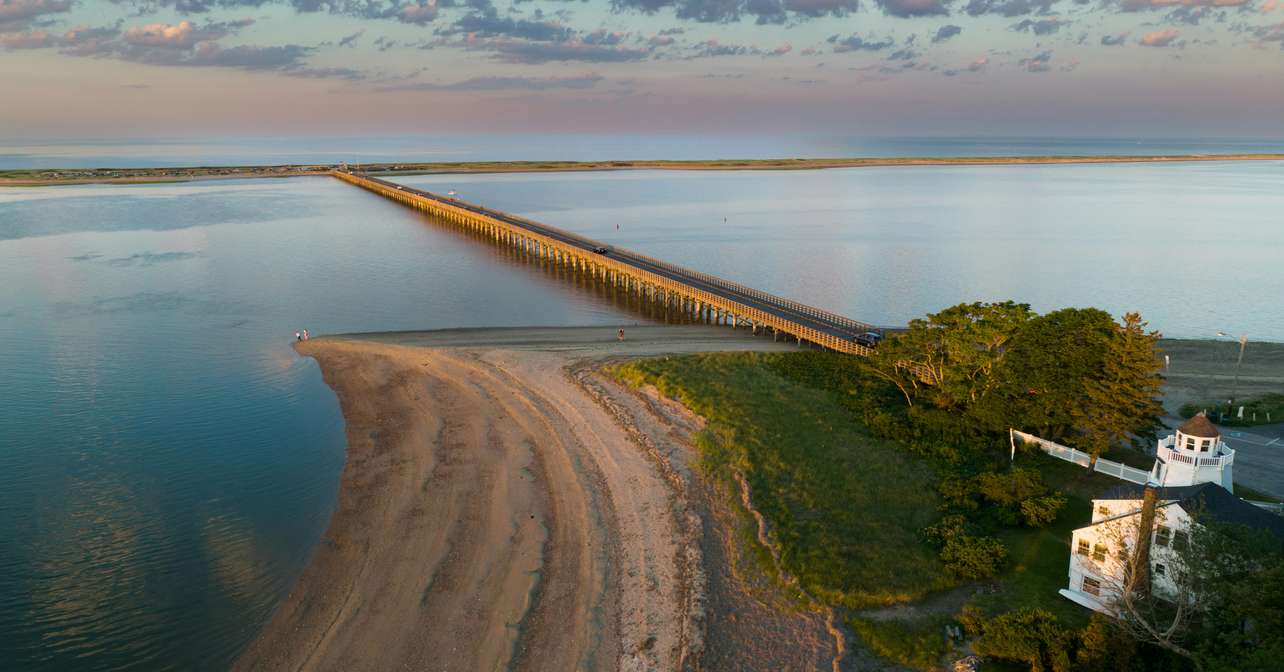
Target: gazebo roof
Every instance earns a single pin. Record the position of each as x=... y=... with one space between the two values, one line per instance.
x=1199 y=426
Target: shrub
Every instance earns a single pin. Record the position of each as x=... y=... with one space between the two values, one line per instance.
x=1031 y=636
x=1010 y=488
x=1041 y=511
x=957 y=492
x=971 y=557
x=945 y=529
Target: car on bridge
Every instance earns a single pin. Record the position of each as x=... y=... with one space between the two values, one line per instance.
x=601 y=249
x=870 y=339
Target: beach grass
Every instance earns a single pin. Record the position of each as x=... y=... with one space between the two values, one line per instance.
x=845 y=508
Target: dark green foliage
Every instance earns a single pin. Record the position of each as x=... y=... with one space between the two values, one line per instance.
x=969 y=557
x=1103 y=648
x=1123 y=398
x=1031 y=636
x=1246 y=634
x=945 y=360
x=1039 y=386
x=1016 y=495
x=972 y=371
x=1042 y=511
x=1010 y=488
x=963 y=554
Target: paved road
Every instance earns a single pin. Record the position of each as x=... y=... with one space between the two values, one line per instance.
x=779 y=307
x=1259 y=456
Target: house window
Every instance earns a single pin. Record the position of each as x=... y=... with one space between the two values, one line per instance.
x=1160 y=569
x=1099 y=552
x=1103 y=510
x=1083 y=547
x=1190 y=443
x=1180 y=540
x=1162 y=536
x=1205 y=445
x=1091 y=586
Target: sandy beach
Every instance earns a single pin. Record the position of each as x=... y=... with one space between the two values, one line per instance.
x=505 y=507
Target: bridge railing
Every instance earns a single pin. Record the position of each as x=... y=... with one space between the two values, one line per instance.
x=853 y=326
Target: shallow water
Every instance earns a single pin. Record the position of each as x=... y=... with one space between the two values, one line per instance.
x=167 y=462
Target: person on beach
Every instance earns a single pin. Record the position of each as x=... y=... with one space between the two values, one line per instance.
x=305 y=335
x=621 y=334
x=298 y=336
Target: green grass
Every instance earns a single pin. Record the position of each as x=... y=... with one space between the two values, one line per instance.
x=1264 y=410
x=845 y=507
x=918 y=643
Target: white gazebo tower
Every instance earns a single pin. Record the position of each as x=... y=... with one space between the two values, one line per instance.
x=1195 y=454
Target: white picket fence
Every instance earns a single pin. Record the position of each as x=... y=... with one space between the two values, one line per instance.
x=1107 y=467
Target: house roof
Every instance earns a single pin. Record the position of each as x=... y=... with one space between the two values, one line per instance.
x=1212 y=500
x=1199 y=426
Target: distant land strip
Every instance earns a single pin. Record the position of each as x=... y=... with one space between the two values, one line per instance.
x=52 y=176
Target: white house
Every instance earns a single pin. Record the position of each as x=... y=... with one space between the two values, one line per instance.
x=1191 y=477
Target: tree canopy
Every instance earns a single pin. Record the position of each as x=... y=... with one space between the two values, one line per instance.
x=1073 y=375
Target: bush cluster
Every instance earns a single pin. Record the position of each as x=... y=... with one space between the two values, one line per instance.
x=965 y=555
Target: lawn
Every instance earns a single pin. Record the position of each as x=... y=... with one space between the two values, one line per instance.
x=846 y=508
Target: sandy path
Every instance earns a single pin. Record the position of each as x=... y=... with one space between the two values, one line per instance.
x=492 y=514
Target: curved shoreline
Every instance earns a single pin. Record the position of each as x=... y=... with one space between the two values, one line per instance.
x=492 y=513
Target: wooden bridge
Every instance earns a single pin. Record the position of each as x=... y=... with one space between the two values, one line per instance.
x=701 y=295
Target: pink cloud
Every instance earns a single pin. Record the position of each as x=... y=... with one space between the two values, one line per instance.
x=1271 y=5
x=1159 y=38
x=782 y=49
x=181 y=36
x=421 y=13
x=35 y=39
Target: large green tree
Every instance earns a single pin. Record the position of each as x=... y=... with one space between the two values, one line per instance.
x=1041 y=385
x=946 y=360
x=1123 y=398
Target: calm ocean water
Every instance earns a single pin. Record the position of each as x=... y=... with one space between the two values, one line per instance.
x=167 y=463
x=1195 y=248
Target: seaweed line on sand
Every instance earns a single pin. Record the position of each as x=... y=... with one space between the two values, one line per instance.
x=691 y=565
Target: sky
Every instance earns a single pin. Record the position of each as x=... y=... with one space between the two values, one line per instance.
x=188 y=68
